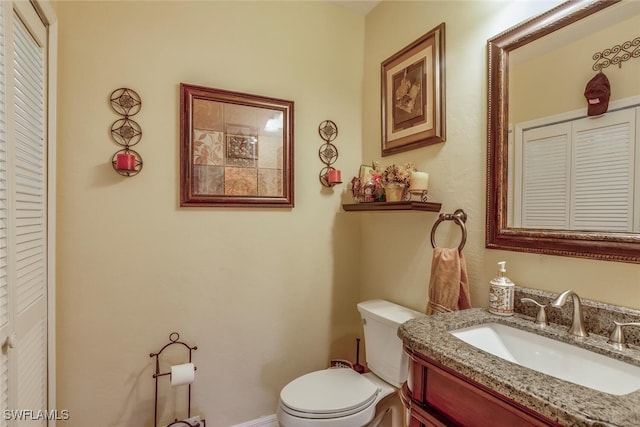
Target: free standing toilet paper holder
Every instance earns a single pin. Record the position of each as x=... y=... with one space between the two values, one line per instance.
x=173 y=339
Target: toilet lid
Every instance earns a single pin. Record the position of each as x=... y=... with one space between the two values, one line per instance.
x=330 y=391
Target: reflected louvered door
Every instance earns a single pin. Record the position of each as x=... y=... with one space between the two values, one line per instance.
x=581 y=175
x=603 y=172
x=545 y=177
x=26 y=213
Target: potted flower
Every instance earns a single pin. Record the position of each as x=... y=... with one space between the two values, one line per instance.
x=394 y=178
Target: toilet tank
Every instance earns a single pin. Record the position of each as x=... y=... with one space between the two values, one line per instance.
x=384 y=353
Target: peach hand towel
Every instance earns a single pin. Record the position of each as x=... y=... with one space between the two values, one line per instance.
x=449 y=284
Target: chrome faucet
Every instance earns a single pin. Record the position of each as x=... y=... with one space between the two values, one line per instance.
x=577 y=323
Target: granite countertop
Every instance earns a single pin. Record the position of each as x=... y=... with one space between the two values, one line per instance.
x=561 y=401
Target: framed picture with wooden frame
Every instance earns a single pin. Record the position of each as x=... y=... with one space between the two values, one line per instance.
x=236 y=149
x=413 y=95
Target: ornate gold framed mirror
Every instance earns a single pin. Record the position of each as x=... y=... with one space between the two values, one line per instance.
x=502 y=232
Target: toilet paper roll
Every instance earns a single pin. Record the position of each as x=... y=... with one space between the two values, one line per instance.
x=182 y=374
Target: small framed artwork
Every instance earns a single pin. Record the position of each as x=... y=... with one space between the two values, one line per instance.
x=236 y=149
x=365 y=173
x=413 y=98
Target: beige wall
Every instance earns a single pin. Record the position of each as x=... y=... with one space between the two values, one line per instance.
x=564 y=70
x=457 y=167
x=266 y=294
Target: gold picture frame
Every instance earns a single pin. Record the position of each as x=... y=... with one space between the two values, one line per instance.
x=236 y=149
x=413 y=95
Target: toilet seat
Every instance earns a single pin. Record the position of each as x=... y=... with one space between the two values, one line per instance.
x=326 y=394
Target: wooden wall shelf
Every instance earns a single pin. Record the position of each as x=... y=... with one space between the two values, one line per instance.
x=393 y=206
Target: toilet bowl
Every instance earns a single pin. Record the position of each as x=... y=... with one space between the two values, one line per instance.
x=341 y=397
x=335 y=397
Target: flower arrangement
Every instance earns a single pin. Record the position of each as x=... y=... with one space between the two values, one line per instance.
x=393 y=174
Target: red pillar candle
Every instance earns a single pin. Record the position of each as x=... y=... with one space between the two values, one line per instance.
x=334 y=176
x=125 y=162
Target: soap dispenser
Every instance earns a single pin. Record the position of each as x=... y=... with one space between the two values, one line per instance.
x=501 y=293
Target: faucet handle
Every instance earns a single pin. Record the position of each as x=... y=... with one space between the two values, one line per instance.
x=541 y=318
x=616 y=338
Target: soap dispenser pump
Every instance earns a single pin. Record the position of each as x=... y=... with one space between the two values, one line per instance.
x=501 y=293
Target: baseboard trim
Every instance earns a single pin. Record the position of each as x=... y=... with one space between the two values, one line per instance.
x=266 y=421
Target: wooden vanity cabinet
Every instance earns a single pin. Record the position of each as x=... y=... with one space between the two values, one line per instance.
x=439 y=396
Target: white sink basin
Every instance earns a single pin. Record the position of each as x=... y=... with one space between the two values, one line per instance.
x=558 y=359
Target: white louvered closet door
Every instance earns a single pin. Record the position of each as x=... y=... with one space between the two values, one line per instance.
x=603 y=172
x=545 y=178
x=581 y=175
x=5 y=325
x=24 y=214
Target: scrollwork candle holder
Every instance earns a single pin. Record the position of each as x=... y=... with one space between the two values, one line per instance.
x=418 y=185
x=329 y=176
x=421 y=195
x=126 y=132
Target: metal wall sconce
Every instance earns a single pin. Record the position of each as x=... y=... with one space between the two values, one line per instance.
x=126 y=132
x=329 y=176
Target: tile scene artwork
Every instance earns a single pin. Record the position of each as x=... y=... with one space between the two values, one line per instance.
x=233 y=154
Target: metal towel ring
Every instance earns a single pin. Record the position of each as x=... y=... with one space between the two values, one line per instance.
x=460 y=217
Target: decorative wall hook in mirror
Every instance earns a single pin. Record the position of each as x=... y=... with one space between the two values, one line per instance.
x=329 y=176
x=617 y=54
x=126 y=132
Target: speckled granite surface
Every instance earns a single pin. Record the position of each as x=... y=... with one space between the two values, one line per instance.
x=566 y=403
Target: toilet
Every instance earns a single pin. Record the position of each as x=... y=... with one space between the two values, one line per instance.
x=340 y=397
